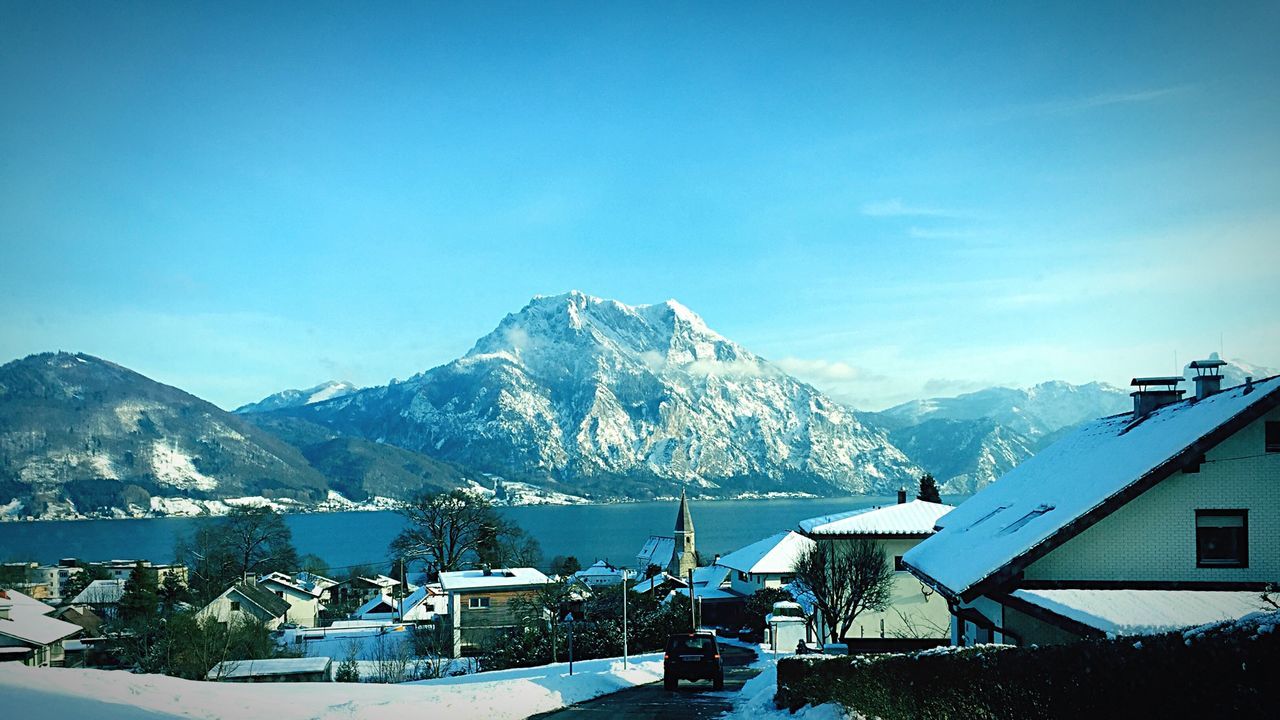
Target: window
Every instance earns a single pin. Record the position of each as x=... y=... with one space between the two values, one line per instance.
x=1222 y=538
x=280 y=593
x=1273 y=436
x=478 y=603
x=742 y=576
x=235 y=606
x=897 y=563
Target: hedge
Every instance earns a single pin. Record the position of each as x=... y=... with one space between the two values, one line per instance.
x=1228 y=672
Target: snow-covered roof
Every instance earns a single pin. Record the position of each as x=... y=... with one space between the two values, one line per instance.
x=917 y=517
x=1145 y=612
x=457 y=580
x=101 y=592
x=710 y=576
x=287 y=581
x=272 y=666
x=648 y=584
x=774 y=555
x=314 y=582
x=599 y=569
x=407 y=605
x=1038 y=499
x=657 y=550
x=29 y=623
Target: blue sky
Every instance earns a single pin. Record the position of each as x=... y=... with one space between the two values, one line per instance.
x=888 y=202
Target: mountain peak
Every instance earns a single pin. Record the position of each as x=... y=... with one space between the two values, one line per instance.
x=327 y=390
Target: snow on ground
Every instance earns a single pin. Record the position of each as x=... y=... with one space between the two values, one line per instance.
x=174 y=467
x=755 y=700
x=503 y=695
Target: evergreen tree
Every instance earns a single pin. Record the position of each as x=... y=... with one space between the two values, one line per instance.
x=929 y=489
x=140 y=598
x=348 y=669
x=171 y=592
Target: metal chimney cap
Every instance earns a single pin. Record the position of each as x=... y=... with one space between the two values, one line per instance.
x=1160 y=380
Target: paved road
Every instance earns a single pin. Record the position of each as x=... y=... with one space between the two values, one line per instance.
x=692 y=701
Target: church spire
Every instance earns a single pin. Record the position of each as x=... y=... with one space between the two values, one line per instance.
x=684 y=521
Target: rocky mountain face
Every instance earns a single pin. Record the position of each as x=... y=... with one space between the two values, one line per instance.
x=294 y=398
x=591 y=396
x=80 y=435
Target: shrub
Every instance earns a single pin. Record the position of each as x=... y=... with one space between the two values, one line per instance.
x=1224 y=674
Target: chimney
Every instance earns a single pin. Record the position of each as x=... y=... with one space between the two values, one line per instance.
x=250 y=579
x=1248 y=385
x=1208 y=378
x=902 y=496
x=717 y=560
x=488 y=571
x=1153 y=393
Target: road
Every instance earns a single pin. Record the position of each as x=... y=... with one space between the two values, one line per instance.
x=692 y=701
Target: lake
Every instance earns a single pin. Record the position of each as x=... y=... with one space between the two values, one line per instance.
x=345 y=539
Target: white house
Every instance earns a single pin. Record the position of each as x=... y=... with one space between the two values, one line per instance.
x=28 y=635
x=245 y=601
x=1150 y=520
x=600 y=573
x=915 y=613
x=422 y=605
x=304 y=604
x=102 y=595
x=767 y=563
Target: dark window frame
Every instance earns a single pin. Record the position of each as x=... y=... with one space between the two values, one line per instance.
x=1243 y=548
x=478 y=602
x=897 y=564
x=1271 y=436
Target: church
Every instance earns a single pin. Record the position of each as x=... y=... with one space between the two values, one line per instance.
x=676 y=554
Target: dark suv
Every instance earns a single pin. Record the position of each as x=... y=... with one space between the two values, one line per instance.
x=692 y=656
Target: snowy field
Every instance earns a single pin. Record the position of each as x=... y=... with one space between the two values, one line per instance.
x=502 y=695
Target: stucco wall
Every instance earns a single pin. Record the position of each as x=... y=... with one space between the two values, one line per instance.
x=925 y=611
x=1153 y=537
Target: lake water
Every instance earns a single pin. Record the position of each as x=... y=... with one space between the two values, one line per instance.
x=589 y=532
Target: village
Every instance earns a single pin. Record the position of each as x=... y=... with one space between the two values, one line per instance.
x=1133 y=526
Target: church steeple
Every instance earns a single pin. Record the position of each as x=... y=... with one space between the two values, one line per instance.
x=685 y=557
x=684 y=521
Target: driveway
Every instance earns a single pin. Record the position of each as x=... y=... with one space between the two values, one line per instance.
x=692 y=701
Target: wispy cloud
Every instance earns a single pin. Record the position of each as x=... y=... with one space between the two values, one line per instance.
x=922 y=233
x=895 y=207
x=1089 y=102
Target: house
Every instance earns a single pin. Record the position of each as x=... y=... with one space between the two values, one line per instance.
x=916 y=615
x=480 y=603
x=661 y=583
x=718 y=604
x=422 y=605
x=304 y=669
x=767 y=563
x=362 y=589
x=103 y=596
x=319 y=584
x=304 y=604
x=120 y=569
x=677 y=554
x=28 y=635
x=1157 y=518
x=245 y=601
x=91 y=633
x=600 y=573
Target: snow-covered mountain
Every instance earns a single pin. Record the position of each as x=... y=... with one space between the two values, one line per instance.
x=1033 y=412
x=80 y=435
x=293 y=398
x=589 y=395
x=1233 y=373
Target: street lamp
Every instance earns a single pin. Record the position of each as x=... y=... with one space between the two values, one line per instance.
x=625 y=574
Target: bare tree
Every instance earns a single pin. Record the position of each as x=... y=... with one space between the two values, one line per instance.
x=450 y=530
x=845 y=579
x=912 y=626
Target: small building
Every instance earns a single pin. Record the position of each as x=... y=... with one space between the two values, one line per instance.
x=362 y=589
x=103 y=596
x=304 y=604
x=599 y=574
x=767 y=563
x=319 y=584
x=304 y=669
x=245 y=601
x=28 y=635
x=916 y=615
x=718 y=604
x=120 y=569
x=1148 y=520
x=788 y=626
x=421 y=606
x=480 y=603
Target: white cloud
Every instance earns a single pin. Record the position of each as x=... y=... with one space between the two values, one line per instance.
x=894 y=207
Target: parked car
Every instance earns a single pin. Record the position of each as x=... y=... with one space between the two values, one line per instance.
x=751 y=635
x=692 y=656
x=726 y=632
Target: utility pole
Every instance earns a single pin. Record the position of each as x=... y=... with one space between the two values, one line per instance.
x=693 y=615
x=624 y=618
